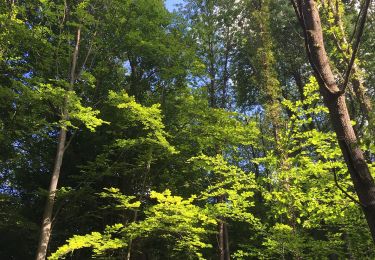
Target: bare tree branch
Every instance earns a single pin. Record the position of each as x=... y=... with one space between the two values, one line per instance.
x=359 y=34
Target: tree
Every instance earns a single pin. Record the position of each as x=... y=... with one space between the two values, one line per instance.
x=334 y=98
x=46 y=82
x=194 y=134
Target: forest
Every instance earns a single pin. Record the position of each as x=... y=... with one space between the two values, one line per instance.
x=190 y=129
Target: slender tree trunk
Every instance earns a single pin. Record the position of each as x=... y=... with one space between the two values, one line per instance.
x=308 y=15
x=226 y=73
x=226 y=241
x=267 y=74
x=134 y=79
x=45 y=232
x=225 y=81
x=48 y=208
x=143 y=190
x=212 y=75
x=128 y=255
x=212 y=87
x=224 y=253
x=221 y=241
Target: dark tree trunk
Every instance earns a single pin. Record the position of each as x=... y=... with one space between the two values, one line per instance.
x=226 y=241
x=308 y=15
x=221 y=241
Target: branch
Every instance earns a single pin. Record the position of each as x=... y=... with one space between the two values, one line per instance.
x=86 y=57
x=297 y=12
x=69 y=141
x=356 y=24
x=361 y=27
x=345 y=192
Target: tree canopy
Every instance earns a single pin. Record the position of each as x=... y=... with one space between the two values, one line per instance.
x=225 y=129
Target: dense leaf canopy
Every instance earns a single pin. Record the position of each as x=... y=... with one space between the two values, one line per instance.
x=194 y=134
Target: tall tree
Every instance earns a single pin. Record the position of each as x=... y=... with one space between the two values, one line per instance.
x=334 y=98
x=61 y=146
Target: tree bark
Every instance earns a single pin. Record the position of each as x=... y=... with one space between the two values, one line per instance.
x=48 y=208
x=224 y=253
x=45 y=233
x=221 y=241
x=226 y=241
x=212 y=85
x=334 y=99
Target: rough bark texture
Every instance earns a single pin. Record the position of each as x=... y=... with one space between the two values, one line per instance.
x=335 y=101
x=45 y=232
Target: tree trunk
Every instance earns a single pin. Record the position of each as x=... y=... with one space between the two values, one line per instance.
x=212 y=75
x=224 y=253
x=308 y=15
x=48 y=208
x=226 y=72
x=267 y=73
x=226 y=241
x=212 y=87
x=221 y=241
x=128 y=255
x=143 y=191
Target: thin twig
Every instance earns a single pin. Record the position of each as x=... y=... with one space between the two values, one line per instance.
x=356 y=45
x=344 y=191
x=356 y=24
x=69 y=141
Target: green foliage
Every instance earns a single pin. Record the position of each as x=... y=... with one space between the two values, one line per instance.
x=58 y=96
x=100 y=243
x=149 y=118
x=284 y=240
x=171 y=216
x=230 y=188
x=123 y=202
x=208 y=127
x=200 y=120
x=305 y=196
